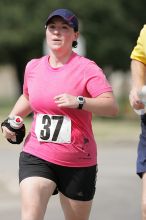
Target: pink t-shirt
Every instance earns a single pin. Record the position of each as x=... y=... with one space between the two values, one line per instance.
x=62 y=136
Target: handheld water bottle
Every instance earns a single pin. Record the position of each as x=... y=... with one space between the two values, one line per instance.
x=15 y=122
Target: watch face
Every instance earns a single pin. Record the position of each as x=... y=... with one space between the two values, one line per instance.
x=80 y=99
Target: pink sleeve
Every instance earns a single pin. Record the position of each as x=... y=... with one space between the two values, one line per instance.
x=97 y=82
x=30 y=65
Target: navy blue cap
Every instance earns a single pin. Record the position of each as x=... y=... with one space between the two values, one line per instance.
x=67 y=15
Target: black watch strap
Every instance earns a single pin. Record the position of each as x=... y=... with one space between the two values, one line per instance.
x=80 y=106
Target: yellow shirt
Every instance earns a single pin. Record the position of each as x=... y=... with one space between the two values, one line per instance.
x=139 y=51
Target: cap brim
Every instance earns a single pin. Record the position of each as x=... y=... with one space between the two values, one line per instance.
x=61 y=16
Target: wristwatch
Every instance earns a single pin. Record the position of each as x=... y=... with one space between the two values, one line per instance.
x=81 y=101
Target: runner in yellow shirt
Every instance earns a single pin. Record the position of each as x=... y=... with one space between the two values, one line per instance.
x=138 y=73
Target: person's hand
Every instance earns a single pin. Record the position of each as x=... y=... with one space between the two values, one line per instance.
x=134 y=100
x=7 y=133
x=66 y=100
x=14 y=136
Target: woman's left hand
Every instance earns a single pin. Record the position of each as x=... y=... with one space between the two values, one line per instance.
x=66 y=100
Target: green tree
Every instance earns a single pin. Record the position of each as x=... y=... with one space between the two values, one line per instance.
x=22 y=31
x=111 y=29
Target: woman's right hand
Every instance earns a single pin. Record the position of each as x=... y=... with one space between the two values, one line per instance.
x=7 y=133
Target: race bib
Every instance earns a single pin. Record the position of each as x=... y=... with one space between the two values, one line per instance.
x=53 y=128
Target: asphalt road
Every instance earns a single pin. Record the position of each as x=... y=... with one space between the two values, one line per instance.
x=118 y=187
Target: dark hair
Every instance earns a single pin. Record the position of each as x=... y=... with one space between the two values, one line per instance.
x=74 y=44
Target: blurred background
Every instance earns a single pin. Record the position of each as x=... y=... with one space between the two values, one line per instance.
x=108 y=33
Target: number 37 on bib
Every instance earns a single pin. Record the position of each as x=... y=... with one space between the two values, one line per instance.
x=53 y=128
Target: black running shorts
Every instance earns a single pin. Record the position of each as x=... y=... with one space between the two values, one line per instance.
x=77 y=183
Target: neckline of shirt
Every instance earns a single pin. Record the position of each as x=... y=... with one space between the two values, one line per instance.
x=62 y=67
